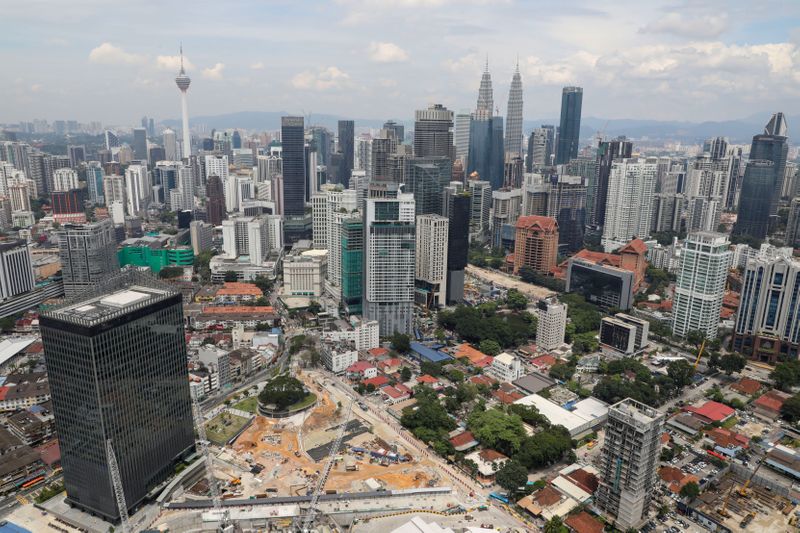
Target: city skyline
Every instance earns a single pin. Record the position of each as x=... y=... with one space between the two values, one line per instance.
x=660 y=62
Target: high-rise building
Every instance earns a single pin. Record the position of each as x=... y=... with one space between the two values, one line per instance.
x=629 y=204
x=88 y=254
x=398 y=131
x=484 y=109
x=506 y=209
x=65 y=179
x=16 y=270
x=705 y=260
x=183 y=81
x=567 y=204
x=431 y=261
x=461 y=136
x=767 y=322
x=793 y=224
x=114 y=189
x=322 y=139
x=763 y=179
x=140 y=144
x=294 y=172
x=536 y=244
x=433 y=132
x=216 y=165
x=137 y=188
x=346 y=139
x=112 y=141
x=426 y=178
x=77 y=155
x=352 y=245
x=457 y=209
x=629 y=461
x=538 y=155
x=570 y=129
x=329 y=208
x=200 y=234
x=607 y=152
x=480 y=192
x=170 y=140
x=389 y=259
x=551 y=325
x=486 y=153
x=215 y=204
x=94 y=182
x=116 y=362
x=513 y=140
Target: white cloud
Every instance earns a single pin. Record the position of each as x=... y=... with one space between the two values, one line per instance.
x=109 y=54
x=257 y=66
x=323 y=80
x=386 y=53
x=173 y=63
x=468 y=63
x=215 y=72
x=36 y=87
x=708 y=26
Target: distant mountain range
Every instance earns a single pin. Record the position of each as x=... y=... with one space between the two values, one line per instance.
x=738 y=130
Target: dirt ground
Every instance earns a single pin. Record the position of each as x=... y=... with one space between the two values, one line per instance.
x=273 y=444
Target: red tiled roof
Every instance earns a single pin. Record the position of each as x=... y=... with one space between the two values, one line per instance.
x=4 y=392
x=377 y=352
x=547 y=496
x=425 y=378
x=711 y=410
x=536 y=221
x=50 y=452
x=542 y=360
x=491 y=455
x=585 y=480
x=466 y=350
x=483 y=363
x=507 y=397
x=377 y=381
x=402 y=388
x=482 y=380
x=393 y=392
x=665 y=438
x=583 y=522
x=239 y=309
x=728 y=439
x=636 y=246
x=36 y=347
x=463 y=439
x=746 y=386
x=360 y=367
x=766 y=401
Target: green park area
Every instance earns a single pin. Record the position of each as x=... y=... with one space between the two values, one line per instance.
x=223 y=427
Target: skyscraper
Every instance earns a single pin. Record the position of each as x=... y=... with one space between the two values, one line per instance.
x=216 y=200
x=94 y=181
x=183 y=81
x=431 y=260
x=461 y=136
x=763 y=179
x=570 y=130
x=140 y=144
x=705 y=259
x=292 y=140
x=629 y=204
x=607 y=152
x=536 y=244
x=552 y=324
x=112 y=141
x=513 y=140
x=116 y=361
x=457 y=209
x=629 y=462
x=398 y=130
x=88 y=254
x=170 y=145
x=480 y=192
x=137 y=188
x=486 y=153
x=426 y=178
x=352 y=234
x=389 y=259
x=567 y=204
x=433 y=132
x=347 y=132
x=485 y=106
x=16 y=270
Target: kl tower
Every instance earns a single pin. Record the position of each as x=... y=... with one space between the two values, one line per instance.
x=183 y=81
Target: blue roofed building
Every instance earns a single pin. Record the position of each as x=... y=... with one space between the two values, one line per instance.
x=425 y=353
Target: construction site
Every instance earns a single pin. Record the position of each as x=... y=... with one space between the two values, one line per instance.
x=741 y=501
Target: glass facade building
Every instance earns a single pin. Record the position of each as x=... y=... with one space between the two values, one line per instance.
x=116 y=360
x=570 y=126
x=294 y=166
x=352 y=264
x=486 y=152
x=426 y=178
x=347 y=133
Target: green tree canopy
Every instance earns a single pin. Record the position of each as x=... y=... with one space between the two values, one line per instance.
x=401 y=342
x=516 y=300
x=790 y=410
x=496 y=429
x=691 y=490
x=282 y=391
x=512 y=475
x=489 y=347
x=732 y=362
x=786 y=375
x=681 y=372
x=555 y=525
x=405 y=373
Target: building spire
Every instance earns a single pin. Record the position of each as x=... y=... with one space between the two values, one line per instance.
x=181 y=48
x=516 y=69
x=486 y=68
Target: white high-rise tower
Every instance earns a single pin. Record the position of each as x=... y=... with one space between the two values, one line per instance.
x=513 y=142
x=183 y=81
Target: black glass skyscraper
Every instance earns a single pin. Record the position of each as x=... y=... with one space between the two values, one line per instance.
x=570 y=130
x=140 y=144
x=294 y=166
x=347 y=133
x=763 y=179
x=116 y=361
x=458 y=211
x=426 y=178
x=607 y=152
x=486 y=152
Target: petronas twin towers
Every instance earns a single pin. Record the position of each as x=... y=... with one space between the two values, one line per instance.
x=485 y=109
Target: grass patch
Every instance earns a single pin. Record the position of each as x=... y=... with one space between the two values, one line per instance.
x=223 y=427
x=732 y=421
x=305 y=402
x=50 y=491
x=248 y=404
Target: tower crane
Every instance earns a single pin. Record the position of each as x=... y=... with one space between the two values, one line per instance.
x=116 y=485
x=312 y=509
x=699 y=354
x=213 y=487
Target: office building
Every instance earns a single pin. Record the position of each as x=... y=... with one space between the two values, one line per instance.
x=337 y=358
x=458 y=209
x=570 y=127
x=88 y=254
x=793 y=224
x=77 y=155
x=113 y=190
x=513 y=140
x=433 y=132
x=486 y=152
x=628 y=462
x=506 y=209
x=247 y=238
x=215 y=204
x=139 y=144
x=330 y=207
x=201 y=234
x=65 y=179
x=536 y=244
x=540 y=148
x=461 y=136
x=137 y=189
x=116 y=362
x=111 y=140
x=485 y=107
x=431 y=260
x=94 y=182
x=705 y=260
x=304 y=273
x=480 y=207
x=607 y=152
x=623 y=334
x=389 y=259
x=567 y=204
x=763 y=179
x=426 y=178
x=768 y=320
x=602 y=284
x=629 y=204
x=216 y=165
x=552 y=324
x=346 y=139
x=183 y=81
x=16 y=270
x=170 y=140
x=352 y=263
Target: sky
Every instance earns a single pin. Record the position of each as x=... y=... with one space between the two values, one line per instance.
x=656 y=59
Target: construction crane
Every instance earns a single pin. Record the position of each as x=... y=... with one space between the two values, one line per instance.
x=312 y=508
x=723 y=511
x=116 y=485
x=699 y=354
x=743 y=490
x=213 y=487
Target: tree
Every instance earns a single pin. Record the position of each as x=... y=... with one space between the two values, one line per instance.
x=516 y=300
x=455 y=375
x=561 y=372
x=401 y=342
x=489 y=347
x=555 y=525
x=496 y=429
x=512 y=475
x=405 y=373
x=691 y=490
x=430 y=368
x=282 y=391
x=263 y=283
x=681 y=372
x=790 y=410
x=695 y=337
x=370 y=388
x=170 y=272
x=786 y=375
x=230 y=276
x=732 y=362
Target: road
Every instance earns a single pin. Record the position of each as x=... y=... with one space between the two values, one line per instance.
x=8 y=504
